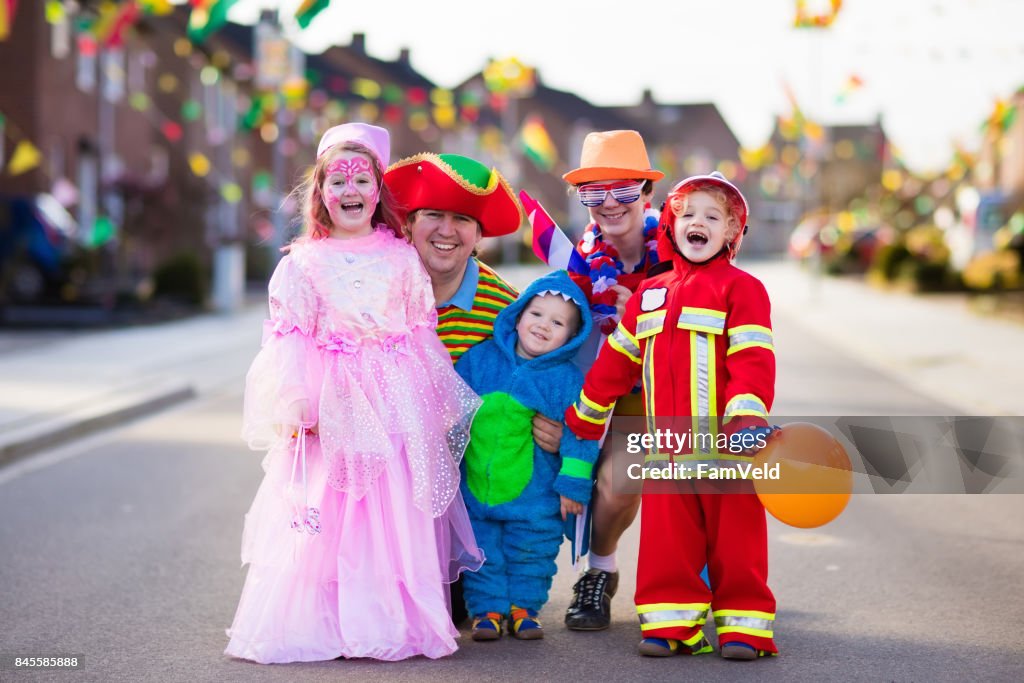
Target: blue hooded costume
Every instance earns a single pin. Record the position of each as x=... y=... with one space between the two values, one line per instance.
x=512 y=486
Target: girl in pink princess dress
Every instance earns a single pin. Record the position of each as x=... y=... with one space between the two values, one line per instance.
x=358 y=523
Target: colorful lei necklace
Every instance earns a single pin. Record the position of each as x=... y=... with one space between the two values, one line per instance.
x=606 y=267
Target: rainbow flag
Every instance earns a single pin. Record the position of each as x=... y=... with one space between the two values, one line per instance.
x=7 y=10
x=307 y=11
x=537 y=144
x=207 y=17
x=549 y=242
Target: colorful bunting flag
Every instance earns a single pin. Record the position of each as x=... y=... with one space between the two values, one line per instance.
x=7 y=10
x=1001 y=118
x=114 y=20
x=509 y=77
x=549 y=242
x=156 y=7
x=308 y=9
x=853 y=83
x=26 y=157
x=207 y=17
x=822 y=15
x=537 y=144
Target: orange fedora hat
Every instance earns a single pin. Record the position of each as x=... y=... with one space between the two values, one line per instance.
x=613 y=155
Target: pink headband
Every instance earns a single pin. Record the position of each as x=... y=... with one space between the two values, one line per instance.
x=376 y=139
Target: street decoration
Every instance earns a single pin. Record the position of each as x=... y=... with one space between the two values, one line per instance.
x=816 y=14
x=25 y=157
x=308 y=9
x=7 y=10
x=537 y=144
x=852 y=84
x=509 y=77
x=207 y=17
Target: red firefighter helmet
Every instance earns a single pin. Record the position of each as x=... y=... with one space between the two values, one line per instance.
x=737 y=203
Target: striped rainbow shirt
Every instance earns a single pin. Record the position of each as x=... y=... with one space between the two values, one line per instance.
x=463 y=321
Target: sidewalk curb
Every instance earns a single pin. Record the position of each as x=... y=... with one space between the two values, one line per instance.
x=104 y=415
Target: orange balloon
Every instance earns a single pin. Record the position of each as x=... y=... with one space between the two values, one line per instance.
x=814 y=476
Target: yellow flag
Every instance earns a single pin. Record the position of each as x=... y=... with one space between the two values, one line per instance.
x=25 y=158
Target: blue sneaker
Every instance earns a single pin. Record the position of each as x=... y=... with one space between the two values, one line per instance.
x=740 y=651
x=524 y=624
x=486 y=626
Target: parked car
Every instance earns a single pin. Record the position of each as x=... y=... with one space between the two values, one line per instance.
x=37 y=243
x=842 y=249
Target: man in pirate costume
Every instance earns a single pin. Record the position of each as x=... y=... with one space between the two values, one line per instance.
x=451 y=202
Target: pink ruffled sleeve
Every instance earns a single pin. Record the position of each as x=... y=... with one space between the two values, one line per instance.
x=419 y=297
x=282 y=388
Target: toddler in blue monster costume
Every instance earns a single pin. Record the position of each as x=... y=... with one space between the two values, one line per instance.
x=518 y=494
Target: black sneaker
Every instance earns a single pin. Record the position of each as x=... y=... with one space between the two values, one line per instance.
x=591 y=607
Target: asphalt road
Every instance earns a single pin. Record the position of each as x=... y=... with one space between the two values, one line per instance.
x=123 y=549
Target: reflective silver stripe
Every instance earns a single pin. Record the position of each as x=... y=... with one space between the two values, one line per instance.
x=650 y=325
x=703 y=390
x=746 y=337
x=745 y=622
x=625 y=342
x=745 y=404
x=584 y=409
x=708 y=321
x=696 y=616
x=648 y=384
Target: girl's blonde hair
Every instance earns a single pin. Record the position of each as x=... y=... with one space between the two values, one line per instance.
x=316 y=221
x=730 y=205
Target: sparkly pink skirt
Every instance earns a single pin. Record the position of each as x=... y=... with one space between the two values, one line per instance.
x=370 y=583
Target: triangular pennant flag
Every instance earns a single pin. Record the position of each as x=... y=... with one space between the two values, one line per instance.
x=7 y=10
x=207 y=17
x=308 y=9
x=26 y=157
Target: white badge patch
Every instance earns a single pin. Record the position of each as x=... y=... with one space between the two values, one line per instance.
x=653 y=299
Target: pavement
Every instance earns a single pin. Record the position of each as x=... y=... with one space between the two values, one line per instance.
x=56 y=387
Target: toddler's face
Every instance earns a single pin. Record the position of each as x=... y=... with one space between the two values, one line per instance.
x=545 y=324
x=700 y=226
x=350 y=193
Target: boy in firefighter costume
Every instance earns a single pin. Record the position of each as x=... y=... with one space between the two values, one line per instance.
x=517 y=493
x=698 y=334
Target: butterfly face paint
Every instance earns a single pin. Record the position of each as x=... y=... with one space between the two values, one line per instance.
x=350 y=193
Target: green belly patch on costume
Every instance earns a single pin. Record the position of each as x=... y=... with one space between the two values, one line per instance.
x=499 y=458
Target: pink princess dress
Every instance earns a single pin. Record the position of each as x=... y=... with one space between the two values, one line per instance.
x=357 y=527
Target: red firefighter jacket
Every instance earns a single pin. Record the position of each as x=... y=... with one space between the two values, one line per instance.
x=699 y=337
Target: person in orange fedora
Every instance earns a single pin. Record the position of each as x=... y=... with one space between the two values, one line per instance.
x=615 y=182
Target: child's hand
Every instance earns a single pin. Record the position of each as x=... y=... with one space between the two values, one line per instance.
x=547 y=433
x=570 y=507
x=622 y=295
x=749 y=441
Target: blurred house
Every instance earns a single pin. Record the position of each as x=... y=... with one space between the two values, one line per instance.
x=816 y=169
x=163 y=149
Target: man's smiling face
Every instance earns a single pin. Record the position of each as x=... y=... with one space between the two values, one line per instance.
x=444 y=239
